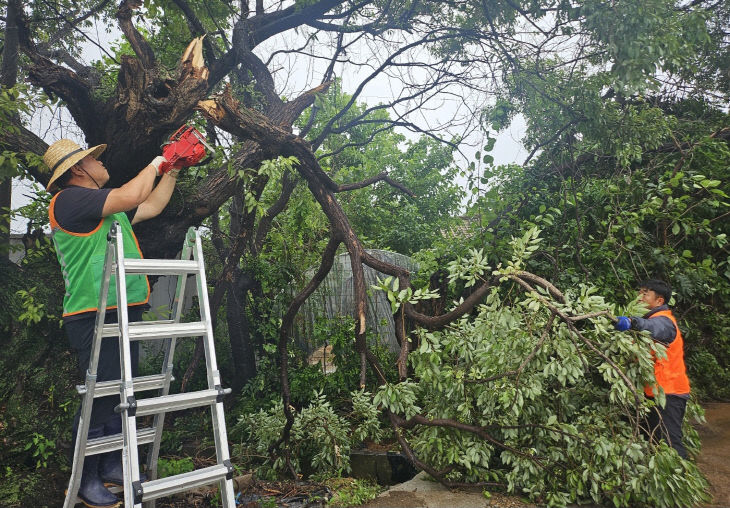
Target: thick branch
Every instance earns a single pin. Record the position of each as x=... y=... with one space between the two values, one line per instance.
x=9 y=67
x=400 y=334
x=58 y=80
x=225 y=112
x=438 y=322
x=262 y=76
x=140 y=46
x=221 y=67
x=69 y=86
x=294 y=108
x=555 y=292
x=356 y=250
x=274 y=23
x=21 y=140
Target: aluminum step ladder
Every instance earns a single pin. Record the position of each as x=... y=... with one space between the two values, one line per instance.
x=135 y=492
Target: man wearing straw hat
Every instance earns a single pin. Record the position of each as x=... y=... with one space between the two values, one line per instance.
x=81 y=213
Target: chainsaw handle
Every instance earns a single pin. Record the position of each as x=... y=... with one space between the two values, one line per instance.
x=177 y=134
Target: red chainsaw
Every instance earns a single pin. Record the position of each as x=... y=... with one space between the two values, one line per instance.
x=185 y=148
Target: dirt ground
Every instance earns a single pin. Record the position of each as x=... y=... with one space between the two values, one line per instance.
x=714 y=460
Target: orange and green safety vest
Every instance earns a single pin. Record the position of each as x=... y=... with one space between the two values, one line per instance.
x=81 y=256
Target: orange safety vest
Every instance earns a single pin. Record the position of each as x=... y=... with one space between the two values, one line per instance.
x=671 y=373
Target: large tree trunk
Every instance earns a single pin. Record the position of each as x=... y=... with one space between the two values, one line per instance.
x=239 y=333
x=8 y=77
x=242 y=349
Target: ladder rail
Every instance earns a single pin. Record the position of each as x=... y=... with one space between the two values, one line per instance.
x=214 y=381
x=185 y=481
x=159 y=331
x=109 y=262
x=130 y=458
x=116 y=441
x=82 y=430
x=159 y=266
x=140 y=384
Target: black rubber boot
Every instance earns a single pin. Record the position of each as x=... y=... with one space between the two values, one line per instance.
x=92 y=491
x=110 y=464
x=110 y=469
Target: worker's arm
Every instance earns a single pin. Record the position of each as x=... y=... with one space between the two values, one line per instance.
x=134 y=192
x=661 y=328
x=157 y=200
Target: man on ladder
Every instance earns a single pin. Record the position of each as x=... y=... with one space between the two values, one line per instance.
x=81 y=214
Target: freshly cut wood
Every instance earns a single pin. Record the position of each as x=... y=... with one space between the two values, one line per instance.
x=192 y=62
x=211 y=108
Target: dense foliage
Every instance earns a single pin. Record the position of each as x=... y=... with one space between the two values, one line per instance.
x=37 y=395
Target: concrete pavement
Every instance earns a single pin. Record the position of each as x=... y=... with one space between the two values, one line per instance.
x=423 y=493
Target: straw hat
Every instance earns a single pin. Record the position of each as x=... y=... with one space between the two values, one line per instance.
x=63 y=154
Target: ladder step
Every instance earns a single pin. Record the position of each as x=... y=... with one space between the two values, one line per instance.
x=144 y=330
x=160 y=266
x=178 y=401
x=173 y=484
x=112 y=330
x=115 y=441
x=142 y=383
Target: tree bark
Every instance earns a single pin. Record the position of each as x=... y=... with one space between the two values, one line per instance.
x=8 y=78
x=239 y=333
x=242 y=350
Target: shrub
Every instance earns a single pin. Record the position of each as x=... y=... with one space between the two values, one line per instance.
x=320 y=438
